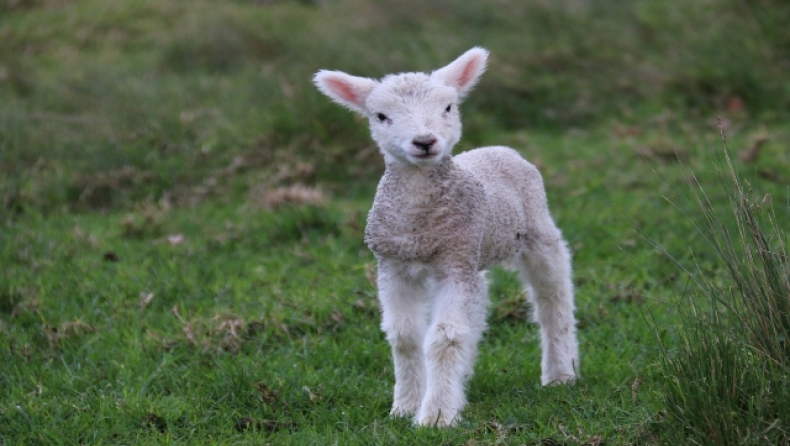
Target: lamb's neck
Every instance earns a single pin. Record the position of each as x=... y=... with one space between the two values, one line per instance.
x=409 y=194
x=424 y=181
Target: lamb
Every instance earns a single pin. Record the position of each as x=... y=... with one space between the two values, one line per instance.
x=438 y=222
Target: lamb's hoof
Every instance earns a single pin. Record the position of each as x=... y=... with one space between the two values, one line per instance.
x=559 y=379
x=402 y=412
x=437 y=420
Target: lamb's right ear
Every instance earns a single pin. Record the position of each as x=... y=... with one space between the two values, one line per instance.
x=345 y=89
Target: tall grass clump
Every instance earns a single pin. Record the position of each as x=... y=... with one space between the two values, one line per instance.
x=727 y=383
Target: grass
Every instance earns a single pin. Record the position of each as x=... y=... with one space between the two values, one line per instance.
x=182 y=213
x=728 y=382
x=128 y=327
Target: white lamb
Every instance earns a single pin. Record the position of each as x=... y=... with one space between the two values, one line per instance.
x=438 y=222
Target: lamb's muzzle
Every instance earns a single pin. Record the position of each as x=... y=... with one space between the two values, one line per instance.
x=424 y=142
x=438 y=222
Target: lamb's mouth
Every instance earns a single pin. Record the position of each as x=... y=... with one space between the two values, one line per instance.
x=425 y=155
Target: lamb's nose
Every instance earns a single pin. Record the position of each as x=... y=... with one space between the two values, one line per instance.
x=425 y=142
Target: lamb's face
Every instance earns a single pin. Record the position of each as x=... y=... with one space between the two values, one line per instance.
x=414 y=118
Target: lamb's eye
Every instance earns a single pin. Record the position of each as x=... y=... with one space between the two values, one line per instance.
x=449 y=107
x=381 y=117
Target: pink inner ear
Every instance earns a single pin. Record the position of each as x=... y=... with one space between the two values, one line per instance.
x=469 y=71
x=343 y=90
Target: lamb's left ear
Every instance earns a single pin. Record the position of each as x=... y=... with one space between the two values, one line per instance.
x=464 y=72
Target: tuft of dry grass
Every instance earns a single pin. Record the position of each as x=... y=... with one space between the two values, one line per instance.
x=297 y=194
x=66 y=330
x=146 y=221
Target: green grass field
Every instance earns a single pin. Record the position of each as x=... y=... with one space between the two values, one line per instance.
x=181 y=253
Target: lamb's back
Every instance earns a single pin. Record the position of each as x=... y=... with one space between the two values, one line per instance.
x=516 y=200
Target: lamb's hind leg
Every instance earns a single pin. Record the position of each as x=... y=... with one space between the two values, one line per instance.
x=404 y=305
x=546 y=266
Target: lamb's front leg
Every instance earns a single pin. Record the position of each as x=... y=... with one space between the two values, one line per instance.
x=458 y=322
x=404 y=305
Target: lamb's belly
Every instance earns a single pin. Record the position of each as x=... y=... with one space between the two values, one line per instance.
x=502 y=244
x=411 y=247
x=491 y=258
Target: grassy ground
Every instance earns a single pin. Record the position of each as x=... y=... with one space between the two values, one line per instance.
x=182 y=214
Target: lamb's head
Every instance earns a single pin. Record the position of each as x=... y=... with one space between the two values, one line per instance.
x=413 y=117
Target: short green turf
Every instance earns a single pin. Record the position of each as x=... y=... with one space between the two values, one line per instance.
x=182 y=214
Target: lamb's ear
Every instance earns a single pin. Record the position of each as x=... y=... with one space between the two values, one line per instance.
x=345 y=89
x=464 y=72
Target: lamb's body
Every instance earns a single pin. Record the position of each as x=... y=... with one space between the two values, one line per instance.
x=438 y=222
x=490 y=198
